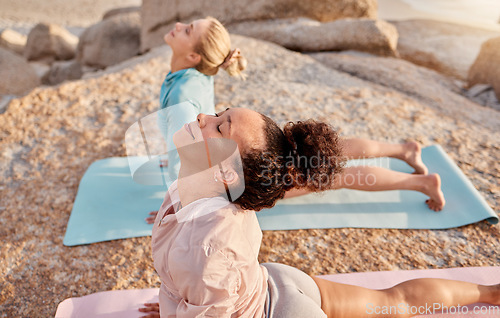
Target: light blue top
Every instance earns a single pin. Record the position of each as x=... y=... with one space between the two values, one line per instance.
x=188 y=85
x=196 y=93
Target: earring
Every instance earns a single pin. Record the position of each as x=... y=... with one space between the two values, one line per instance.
x=215 y=177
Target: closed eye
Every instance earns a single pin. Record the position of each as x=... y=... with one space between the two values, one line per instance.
x=218 y=126
x=189 y=28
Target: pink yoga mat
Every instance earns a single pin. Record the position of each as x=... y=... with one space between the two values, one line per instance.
x=108 y=304
x=125 y=303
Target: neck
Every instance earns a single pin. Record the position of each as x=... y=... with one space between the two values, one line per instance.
x=195 y=186
x=179 y=63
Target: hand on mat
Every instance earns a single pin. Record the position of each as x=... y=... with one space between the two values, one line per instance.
x=151 y=219
x=152 y=308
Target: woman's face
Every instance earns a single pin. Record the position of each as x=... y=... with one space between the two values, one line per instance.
x=244 y=126
x=184 y=37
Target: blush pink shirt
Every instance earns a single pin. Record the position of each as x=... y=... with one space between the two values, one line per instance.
x=206 y=257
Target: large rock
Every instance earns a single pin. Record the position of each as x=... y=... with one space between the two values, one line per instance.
x=49 y=42
x=110 y=41
x=424 y=84
x=41 y=69
x=118 y=11
x=17 y=77
x=486 y=68
x=445 y=47
x=483 y=94
x=62 y=71
x=374 y=36
x=13 y=41
x=158 y=16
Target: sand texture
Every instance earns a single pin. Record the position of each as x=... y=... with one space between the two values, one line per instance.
x=50 y=137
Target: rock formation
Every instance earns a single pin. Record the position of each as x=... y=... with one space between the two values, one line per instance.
x=119 y=11
x=17 y=77
x=158 y=16
x=110 y=41
x=410 y=79
x=486 y=68
x=373 y=36
x=62 y=71
x=50 y=42
x=13 y=41
x=445 y=47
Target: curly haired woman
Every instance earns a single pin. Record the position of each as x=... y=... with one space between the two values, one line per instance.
x=205 y=247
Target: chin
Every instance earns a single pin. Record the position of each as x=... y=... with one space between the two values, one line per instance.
x=177 y=139
x=182 y=138
x=166 y=38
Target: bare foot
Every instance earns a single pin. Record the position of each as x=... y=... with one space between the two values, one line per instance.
x=432 y=188
x=490 y=294
x=413 y=157
x=496 y=295
x=151 y=219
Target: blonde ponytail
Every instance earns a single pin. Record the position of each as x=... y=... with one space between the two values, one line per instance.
x=215 y=51
x=235 y=63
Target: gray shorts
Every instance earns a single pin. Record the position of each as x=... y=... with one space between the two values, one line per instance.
x=291 y=293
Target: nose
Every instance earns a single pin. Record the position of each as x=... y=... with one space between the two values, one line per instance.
x=177 y=26
x=201 y=120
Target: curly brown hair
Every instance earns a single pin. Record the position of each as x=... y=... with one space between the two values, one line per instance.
x=305 y=154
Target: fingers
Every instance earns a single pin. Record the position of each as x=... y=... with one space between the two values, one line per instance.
x=151 y=219
x=150 y=307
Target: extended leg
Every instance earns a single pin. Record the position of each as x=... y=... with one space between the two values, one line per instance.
x=368 y=178
x=410 y=152
x=340 y=300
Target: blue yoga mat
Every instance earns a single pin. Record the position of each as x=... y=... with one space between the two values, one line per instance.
x=398 y=209
x=110 y=205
